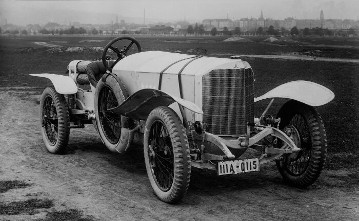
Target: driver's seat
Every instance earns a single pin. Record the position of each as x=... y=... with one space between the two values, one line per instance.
x=93 y=70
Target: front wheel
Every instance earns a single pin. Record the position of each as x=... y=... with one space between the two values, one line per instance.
x=110 y=94
x=55 y=121
x=167 y=155
x=303 y=124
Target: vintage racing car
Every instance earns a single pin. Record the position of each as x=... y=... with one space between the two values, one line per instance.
x=189 y=111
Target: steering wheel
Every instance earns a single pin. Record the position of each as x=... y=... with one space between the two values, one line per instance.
x=126 y=43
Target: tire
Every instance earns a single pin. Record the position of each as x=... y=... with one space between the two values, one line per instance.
x=304 y=125
x=110 y=94
x=165 y=136
x=55 y=121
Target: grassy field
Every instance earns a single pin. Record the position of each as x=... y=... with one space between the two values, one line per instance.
x=20 y=57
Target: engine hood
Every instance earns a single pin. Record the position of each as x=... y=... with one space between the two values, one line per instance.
x=157 y=61
x=141 y=71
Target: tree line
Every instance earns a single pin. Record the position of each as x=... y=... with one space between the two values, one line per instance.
x=69 y=31
x=199 y=30
x=45 y=31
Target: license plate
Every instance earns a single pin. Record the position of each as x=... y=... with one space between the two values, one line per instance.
x=238 y=166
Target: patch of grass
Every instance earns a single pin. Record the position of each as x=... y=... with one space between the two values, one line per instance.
x=72 y=214
x=25 y=207
x=12 y=184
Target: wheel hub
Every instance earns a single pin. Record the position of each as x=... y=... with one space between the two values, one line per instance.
x=152 y=155
x=294 y=135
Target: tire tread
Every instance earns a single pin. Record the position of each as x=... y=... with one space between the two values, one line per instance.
x=181 y=153
x=63 y=121
x=318 y=140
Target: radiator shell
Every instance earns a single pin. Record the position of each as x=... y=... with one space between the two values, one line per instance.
x=228 y=101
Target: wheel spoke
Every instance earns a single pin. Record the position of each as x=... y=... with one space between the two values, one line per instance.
x=109 y=122
x=165 y=174
x=125 y=50
x=50 y=120
x=298 y=164
x=161 y=161
x=165 y=167
x=114 y=49
x=163 y=158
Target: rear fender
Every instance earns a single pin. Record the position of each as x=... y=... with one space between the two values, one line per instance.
x=307 y=92
x=140 y=104
x=62 y=84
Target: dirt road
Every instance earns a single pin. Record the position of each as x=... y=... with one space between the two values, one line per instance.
x=90 y=183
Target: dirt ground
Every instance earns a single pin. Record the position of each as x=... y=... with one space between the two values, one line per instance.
x=91 y=183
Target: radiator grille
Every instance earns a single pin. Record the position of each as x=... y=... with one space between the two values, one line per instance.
x=228 y=100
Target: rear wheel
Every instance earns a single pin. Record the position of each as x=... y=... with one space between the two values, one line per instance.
x=55 y=121
x=304 y=126
x=167 y=155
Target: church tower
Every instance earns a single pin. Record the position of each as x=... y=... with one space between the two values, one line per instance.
x=261 y=18
x=321 y=18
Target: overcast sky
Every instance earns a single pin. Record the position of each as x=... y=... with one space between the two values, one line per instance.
x=104 y=11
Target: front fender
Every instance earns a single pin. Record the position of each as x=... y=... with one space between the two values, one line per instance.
x=307 y=92
x=140 y=104
x=63 y=84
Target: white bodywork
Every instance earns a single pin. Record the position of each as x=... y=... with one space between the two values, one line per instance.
x=304 y=91
x=141 y=70
x=85 y=100
x=187 y=104
x=62 y=84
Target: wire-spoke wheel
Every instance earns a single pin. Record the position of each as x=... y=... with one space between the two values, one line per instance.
x=161 y=156
x=111 y=124
x=109 y=94
x=167 y=155
x=304 y=126
x=55 y=120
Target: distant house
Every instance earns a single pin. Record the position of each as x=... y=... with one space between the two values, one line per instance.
x=219 y=24
x=243 y=24
x=143 y=30
x=160 y=30
x=289 y=23
x=252 y=24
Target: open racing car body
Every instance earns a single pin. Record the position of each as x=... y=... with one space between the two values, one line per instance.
x=188 y=110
